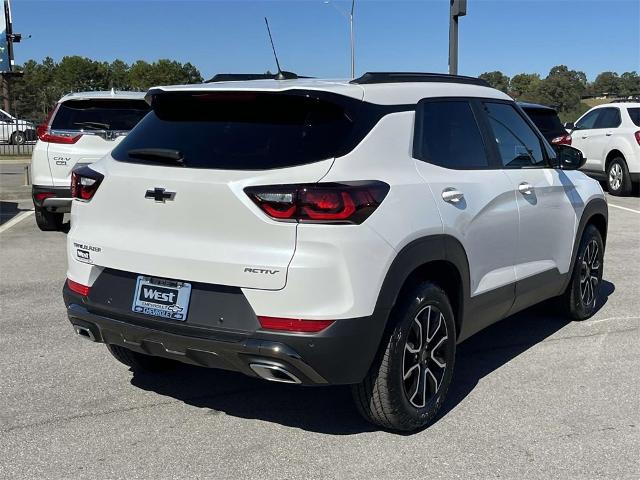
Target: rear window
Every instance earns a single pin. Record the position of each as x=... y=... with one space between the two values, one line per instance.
x=121 y=115
x=246 y=130
x=634 y=113
x=547 y=121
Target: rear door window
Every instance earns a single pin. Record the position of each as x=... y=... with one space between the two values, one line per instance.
x=609 y=118
x=518 y=144
x=447 y=135
x=244 y=130
x=102 y=114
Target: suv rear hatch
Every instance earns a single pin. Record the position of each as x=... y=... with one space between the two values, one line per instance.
x=190 y=219
x=81 y=131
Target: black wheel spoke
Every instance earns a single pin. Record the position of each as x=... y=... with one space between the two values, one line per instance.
x=424 y=362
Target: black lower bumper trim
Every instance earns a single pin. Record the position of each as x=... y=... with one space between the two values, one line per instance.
x=236 y=356
x=59 y=202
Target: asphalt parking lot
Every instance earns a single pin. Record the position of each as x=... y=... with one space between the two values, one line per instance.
x=534 y=396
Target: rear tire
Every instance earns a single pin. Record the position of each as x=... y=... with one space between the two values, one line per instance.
x=581 y=297
x=409 y=379
x=48 y=221
x=618 y=178
x=138 y=361
x=18 y=138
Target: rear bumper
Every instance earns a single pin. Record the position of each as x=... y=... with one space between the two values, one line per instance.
x=60 y=202
x=341 y=354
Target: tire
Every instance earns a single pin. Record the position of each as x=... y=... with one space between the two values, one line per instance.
x=18 y=138
x=138 y=361
x=581 y=297
x=618 y=178
x=394 y=394
x=48 y=221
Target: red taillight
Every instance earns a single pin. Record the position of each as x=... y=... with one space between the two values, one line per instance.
x=78 y=287
x=42 y=195
x=562 y=140
x=293 y=324
x=321 y=202
x=637 y=134
x=45 y=134
x=85 y=183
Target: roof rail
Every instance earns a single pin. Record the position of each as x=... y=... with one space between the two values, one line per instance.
x=407 y=77
x=238 y=77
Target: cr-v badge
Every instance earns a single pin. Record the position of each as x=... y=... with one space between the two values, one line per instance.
x=160 y=195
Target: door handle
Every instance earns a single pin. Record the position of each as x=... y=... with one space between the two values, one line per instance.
x=526 y=188
x=451 y=195
x=608 y=134
x=586 y=136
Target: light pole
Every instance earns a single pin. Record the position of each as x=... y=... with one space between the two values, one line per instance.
x=349 y=16
x=458 y=9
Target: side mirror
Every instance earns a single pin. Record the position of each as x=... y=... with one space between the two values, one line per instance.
x=569 y=126
x=568 y=158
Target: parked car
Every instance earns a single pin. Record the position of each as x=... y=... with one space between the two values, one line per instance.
x=81 y=128
x=609 y=137
x=329 y=232
x=15 y=131
x=548 y=122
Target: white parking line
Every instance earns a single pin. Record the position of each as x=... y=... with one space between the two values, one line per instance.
x=624 y=208
x=15 y=220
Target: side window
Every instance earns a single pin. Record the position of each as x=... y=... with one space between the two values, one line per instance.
x=588 y=121
x=448 y=135
x=609 y=118
x=518 y=144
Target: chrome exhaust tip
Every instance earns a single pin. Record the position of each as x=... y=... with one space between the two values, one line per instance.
x=84 y=332
x=274 y=373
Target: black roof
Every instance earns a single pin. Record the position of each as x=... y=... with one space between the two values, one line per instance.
x=534 y=106
x=408 y=77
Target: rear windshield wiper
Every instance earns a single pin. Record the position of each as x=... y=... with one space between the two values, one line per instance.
x=160 y=155
x=94 y=125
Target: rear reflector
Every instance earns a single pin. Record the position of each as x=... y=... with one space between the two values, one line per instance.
x=293 y=324
x=349 y=203
x=78 y=287
x=42 y=195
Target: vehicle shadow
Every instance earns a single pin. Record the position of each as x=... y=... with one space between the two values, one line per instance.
x=330 y=410
x=8 y=210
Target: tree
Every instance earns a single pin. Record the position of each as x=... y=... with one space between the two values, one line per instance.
x=118 y=76
x=606 y=82
x=524 y=85
x=629 y=84
x=496 y=79
x=563 y=88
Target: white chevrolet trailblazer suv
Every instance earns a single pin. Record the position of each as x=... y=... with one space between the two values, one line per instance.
x=609 y=137
x=329 y=232
x=81 y=128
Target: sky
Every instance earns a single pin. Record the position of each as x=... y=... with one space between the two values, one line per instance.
x=312 y=37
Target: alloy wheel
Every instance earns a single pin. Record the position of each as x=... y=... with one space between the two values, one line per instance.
x=424 y=363
x=589 y=274
x=615 y=176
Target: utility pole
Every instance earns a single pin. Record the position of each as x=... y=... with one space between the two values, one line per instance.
x=349 y=16
x=7 y=63
x=458 y=9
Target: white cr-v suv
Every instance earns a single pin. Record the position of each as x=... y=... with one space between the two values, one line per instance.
x=329 y=232
x=609 y=137
x=80 y=129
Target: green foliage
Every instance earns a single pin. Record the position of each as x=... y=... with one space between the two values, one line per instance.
x=497 y=80
x=44 y=83
x=563 y=88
